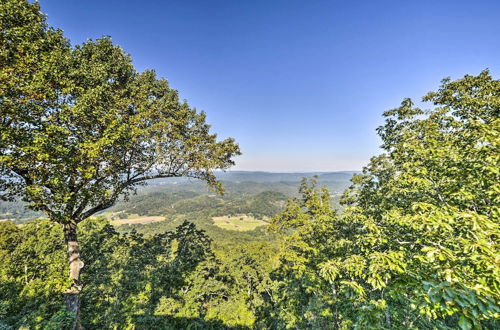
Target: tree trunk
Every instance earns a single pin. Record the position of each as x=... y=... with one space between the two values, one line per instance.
x=72 y=295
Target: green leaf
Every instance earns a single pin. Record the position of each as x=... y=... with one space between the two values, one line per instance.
x=464 y=323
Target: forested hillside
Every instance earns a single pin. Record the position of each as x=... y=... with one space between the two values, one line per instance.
x=131 y=237
x=259 y=194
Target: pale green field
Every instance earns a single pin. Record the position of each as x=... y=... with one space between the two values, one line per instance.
x=240 y=222
x=131 y=221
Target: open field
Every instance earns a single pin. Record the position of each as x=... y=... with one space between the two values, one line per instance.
x=137 y=220
x=240 y=222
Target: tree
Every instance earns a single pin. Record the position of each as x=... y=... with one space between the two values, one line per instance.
x=80 y=127
x=301 y=298
x=417 y=243
x=432 y=200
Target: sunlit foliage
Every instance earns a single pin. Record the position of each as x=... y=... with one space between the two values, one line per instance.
x=417 y=245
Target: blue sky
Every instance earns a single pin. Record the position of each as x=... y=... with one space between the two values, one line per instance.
x=301 y=85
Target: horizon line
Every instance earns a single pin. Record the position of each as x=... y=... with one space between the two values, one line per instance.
x=289 y=172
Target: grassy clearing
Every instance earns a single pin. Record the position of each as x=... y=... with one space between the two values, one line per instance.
x=136 y=220
x=240 y=222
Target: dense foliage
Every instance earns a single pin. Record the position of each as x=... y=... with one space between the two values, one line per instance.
x=417 y=245
x=167 y=280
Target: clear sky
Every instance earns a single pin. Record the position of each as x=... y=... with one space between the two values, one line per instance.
x=301 y=85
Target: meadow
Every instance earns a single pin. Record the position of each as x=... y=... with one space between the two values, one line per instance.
x=239 y=222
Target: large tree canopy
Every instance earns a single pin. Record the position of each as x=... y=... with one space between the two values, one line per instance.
x=80 y=126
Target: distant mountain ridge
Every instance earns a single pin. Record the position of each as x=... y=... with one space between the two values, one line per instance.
x=258 y=176
x=262 y=176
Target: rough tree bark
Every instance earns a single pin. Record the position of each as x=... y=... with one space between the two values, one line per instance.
x=72 y=295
